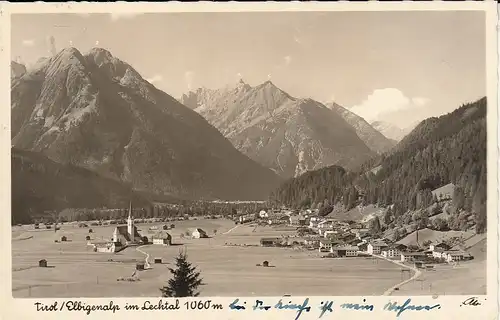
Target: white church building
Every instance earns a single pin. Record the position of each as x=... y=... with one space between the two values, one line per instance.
x=126 y=235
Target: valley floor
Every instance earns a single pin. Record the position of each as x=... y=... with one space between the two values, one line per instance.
x=227 y=262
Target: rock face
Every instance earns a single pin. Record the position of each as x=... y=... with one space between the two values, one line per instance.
x=375 y=140
x=17 y=69
x=95 y=111
x=286 y=134
x=391 y=131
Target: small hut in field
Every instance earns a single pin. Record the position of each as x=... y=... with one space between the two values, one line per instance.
x=158 y=260
x=42 y=263
x=139 y=266
x=265 y=263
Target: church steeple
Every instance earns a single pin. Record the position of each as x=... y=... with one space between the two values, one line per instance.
x=130 y=222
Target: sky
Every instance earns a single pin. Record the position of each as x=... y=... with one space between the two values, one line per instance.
x=395 y=66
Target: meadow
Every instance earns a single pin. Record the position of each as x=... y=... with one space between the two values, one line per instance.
x=227 y=260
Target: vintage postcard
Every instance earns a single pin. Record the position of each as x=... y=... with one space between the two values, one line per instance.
x=250 y=160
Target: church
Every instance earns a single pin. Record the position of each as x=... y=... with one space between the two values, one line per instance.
x=126 y=235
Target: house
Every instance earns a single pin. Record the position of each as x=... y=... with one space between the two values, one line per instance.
x=330 y=234
x=312 y=241
x=412 y=256
x=393 y=251
x=325 y=223
x=438 y=253
x=126 y=235
x=363 y=246
x=284 y=219
x=357 y=225
x=325 y=245
x=297 y=220
x=347 y=237
x=376 y=247
x=439 y=245
x=269 y=242
x=263 y=214
x=323 y=230
x=198 y=233
x=314 y=221
x=42 y=263
x=455 y=255
x=360 y=232
x=162 y=238
x=107 y=246
x=345 y=251
x=157 y=260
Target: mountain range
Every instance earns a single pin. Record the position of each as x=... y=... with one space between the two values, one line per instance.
x=391 y=131
x=439 y=151
x=373 y=138
x=287 y=134
x=96 y=112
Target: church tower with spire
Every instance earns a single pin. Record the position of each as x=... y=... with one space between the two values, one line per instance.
x=130 y=222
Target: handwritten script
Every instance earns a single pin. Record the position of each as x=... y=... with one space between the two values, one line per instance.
x=297 y=308
x=326 y=307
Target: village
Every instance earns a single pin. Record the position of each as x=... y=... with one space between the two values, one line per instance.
x=350 y=239
x=333 y=237
x=288 y=241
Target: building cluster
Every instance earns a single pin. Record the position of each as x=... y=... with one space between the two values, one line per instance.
x=351 y=239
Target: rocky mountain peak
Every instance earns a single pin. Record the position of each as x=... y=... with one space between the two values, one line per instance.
x=97 y=112
x=281 y=132
x=100 y=55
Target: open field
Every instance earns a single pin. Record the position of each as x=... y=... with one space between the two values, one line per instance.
x=227 y=270
x=227 y=261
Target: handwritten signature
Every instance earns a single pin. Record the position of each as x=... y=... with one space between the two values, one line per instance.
x=472 y=301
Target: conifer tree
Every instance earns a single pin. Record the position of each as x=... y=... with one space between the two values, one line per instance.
x=186 y=279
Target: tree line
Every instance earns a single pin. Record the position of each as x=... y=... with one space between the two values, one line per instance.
x=439 y=151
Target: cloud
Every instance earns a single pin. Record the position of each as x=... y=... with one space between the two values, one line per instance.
x=384 y=101
x=155 y=78
x=288 y=60
x=28 y=43
x=189 y=77
x=123 y=15
x=420 y=101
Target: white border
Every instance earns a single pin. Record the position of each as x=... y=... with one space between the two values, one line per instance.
x=23 y=308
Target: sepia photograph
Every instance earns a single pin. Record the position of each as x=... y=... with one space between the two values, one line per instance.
x=223 y=154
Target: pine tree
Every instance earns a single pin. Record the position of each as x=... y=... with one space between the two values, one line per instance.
x=186 y=279
x=375 y=226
